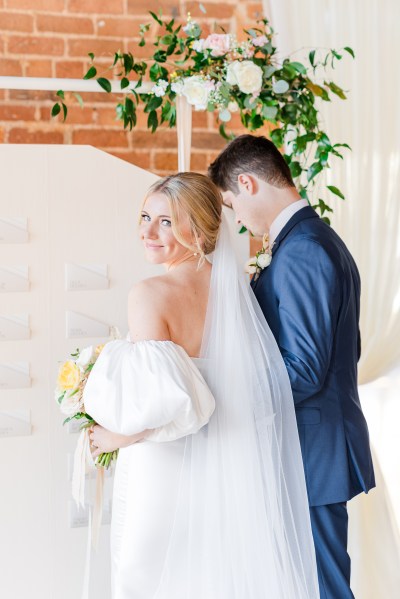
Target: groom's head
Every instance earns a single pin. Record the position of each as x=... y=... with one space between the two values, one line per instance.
x=254 y=180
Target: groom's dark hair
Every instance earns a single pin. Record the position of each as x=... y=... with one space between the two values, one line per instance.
x=249 y=154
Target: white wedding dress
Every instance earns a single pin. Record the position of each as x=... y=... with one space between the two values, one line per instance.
x=213 y=503
x=146 y=385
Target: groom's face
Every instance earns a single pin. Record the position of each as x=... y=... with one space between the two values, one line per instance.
x=244 y=207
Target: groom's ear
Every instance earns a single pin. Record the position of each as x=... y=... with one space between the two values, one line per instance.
x=247 y=183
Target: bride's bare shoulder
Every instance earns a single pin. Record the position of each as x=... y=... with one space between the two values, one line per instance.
x=147 y=309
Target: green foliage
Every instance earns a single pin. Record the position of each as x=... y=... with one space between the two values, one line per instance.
x=289 y=96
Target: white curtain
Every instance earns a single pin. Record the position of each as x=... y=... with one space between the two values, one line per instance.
x=184 y=132
x=369 y=222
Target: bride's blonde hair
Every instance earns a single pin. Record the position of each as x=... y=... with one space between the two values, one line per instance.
x=200 y=200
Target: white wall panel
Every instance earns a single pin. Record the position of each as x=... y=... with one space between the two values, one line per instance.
x=59 y=206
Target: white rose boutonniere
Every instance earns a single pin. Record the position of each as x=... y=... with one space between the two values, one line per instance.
x=261 y=260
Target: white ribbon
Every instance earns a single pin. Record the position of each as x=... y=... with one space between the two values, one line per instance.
x=83 y=461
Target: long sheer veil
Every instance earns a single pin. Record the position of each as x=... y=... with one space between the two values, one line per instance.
x=242 y=527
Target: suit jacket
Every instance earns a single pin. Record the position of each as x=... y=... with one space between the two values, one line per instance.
x=310 y=296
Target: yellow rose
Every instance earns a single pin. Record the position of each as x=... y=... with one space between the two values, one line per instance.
x=68 y=376
x=99 y=349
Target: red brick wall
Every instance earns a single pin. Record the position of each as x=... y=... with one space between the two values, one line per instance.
x=51 y=38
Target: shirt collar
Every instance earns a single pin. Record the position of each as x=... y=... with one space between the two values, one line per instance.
x=283 y=218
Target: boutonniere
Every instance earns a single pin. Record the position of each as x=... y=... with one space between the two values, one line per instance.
x=261 y=260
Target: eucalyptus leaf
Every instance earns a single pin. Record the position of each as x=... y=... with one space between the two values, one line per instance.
x=269 y=112
x=224 y=115
x=269 y=70
x=280 y=87
x=249 y=102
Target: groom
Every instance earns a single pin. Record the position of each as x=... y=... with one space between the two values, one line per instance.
x=310 y=296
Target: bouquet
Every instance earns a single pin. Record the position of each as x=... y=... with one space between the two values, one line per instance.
x=71 y=381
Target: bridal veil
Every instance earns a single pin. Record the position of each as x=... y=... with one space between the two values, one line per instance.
x=242 y=526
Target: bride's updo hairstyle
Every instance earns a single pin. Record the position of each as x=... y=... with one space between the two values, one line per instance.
x=200 y=200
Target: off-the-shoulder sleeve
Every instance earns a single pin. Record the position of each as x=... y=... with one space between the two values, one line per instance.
x=148 y=385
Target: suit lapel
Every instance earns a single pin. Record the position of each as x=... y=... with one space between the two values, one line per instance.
x=303 y=214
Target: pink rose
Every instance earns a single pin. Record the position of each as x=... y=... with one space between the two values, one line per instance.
x=260 y=41
x=218 y=43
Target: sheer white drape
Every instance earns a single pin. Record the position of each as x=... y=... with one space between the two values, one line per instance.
x=370 y=176
x=184 y=132
x=369 y=221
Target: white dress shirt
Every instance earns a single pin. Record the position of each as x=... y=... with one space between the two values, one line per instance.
x=284 y=217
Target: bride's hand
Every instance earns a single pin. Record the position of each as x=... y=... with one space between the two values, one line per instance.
x=104 y=441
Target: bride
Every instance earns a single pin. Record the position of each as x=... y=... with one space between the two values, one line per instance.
x=209 y=493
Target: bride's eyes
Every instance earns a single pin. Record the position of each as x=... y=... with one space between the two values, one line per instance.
x=164 y=221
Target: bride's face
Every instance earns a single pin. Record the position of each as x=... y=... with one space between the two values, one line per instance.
x=160 y=244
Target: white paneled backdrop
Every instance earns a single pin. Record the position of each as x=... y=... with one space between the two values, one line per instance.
x=80 y=207
x=69 y=253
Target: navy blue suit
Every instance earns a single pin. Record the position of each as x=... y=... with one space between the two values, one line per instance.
x=310 y=296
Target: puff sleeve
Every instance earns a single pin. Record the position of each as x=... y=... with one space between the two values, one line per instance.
x=148 y=385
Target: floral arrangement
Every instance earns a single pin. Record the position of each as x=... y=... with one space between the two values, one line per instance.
x=261 y=260
x=71 y=380
x=220 y=74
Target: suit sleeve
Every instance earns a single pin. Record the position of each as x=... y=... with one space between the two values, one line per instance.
x=309 y=297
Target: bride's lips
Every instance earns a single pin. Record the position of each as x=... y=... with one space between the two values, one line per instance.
x=152 y=246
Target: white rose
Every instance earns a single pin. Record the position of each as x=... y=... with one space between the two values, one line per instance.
x=198 y=45
x=250 y=266
x=264 y=260
x=246 y=75
x=85 y=357
x=71 y=405
x=177 y=87
x=196 y=91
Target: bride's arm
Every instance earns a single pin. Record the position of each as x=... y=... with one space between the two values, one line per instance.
x=104 y=441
